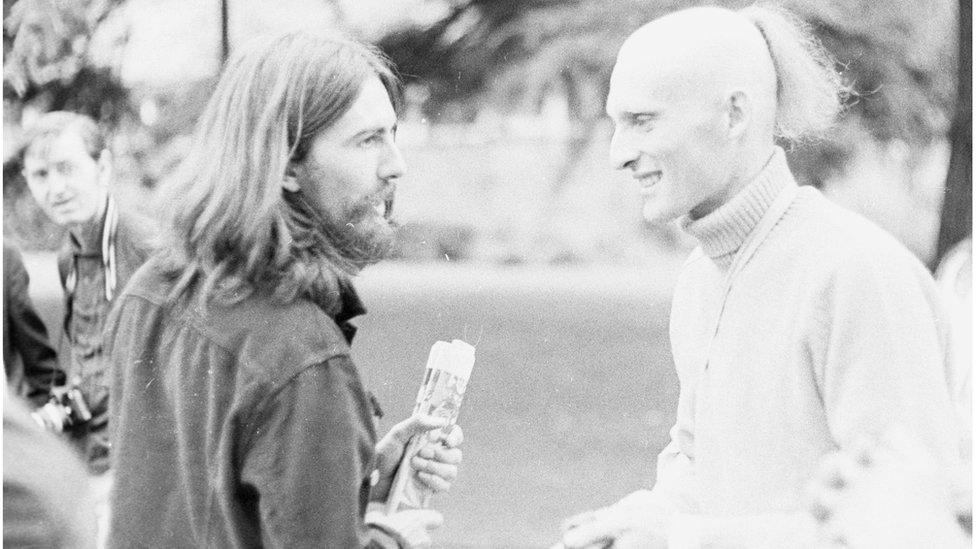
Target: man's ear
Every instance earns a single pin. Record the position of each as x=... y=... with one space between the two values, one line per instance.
x=739 y=110
x=290 y=181
x=105 y=167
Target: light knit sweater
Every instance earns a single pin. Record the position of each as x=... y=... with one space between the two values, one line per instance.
x=831 y=332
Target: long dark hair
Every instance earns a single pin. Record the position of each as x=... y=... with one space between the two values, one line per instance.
x=233 y=228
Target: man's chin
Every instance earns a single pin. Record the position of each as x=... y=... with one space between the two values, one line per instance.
x=657 y=214
x=370 y=244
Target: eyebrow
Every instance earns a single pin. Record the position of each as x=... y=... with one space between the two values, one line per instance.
x=373 y=130
x=643 y=114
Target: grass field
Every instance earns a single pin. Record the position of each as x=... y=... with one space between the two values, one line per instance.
x=571 y=398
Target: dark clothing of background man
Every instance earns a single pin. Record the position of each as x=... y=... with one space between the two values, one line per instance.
x=269 y=437
x=29 y=360
x=91 y=282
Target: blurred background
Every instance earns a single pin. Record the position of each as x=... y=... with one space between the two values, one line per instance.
x=517 y=235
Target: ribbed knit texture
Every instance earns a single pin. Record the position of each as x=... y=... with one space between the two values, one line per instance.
x=722 y=232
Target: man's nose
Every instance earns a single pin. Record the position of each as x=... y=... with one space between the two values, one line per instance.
x=392 y=166
x=57 y=184
x=623 y=154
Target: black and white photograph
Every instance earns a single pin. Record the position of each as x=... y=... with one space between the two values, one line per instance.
x=487 y=274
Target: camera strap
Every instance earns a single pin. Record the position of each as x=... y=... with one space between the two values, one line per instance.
x=110 y=225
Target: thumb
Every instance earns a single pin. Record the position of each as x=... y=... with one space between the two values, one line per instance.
x=415 y=425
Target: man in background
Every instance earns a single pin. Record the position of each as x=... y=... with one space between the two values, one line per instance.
x=69 y=172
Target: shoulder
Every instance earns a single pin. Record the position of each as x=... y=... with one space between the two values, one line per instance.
x=836 y=239
x=138 y=233
x=274 y=341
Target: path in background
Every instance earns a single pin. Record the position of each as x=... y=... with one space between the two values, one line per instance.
x=572 y=394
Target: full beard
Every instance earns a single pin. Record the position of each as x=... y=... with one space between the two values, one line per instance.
x=364 y=236
x=357 y=238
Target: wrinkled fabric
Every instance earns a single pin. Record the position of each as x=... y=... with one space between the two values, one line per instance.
x=236 y=426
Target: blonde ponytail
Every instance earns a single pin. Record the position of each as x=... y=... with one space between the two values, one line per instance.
x=809 y=90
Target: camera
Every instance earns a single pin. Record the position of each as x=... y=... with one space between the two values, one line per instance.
x=67 y=408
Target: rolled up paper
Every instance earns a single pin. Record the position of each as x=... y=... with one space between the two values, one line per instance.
x=449 y=367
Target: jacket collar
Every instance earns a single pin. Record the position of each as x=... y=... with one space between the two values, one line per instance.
x=350 y=306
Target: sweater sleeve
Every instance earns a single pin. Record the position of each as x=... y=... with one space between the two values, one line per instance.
x=674 y=484
x=880 y=354
x=309 y=458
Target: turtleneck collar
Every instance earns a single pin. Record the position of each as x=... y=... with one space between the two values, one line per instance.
x=722 y=232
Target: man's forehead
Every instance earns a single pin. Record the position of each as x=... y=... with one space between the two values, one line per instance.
x=639 y=87
x=55 y=146
x=371 y=108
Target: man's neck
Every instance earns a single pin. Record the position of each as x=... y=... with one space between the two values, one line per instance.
x=88 y=234
x=746 y=172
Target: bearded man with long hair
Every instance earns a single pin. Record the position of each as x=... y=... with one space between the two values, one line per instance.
x=238 y=418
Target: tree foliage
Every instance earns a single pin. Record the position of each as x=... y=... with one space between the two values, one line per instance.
x=897 y=55
x=46 y=47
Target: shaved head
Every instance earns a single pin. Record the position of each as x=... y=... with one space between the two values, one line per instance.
x=699 y=96
x=702 y=54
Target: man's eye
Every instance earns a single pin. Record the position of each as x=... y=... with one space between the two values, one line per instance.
x=644 y=122
x=372 y=140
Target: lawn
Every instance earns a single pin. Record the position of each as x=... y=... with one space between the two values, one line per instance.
x=571 y=398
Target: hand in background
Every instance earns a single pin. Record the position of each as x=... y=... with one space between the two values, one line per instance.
x=637 y=520
x=885 y=493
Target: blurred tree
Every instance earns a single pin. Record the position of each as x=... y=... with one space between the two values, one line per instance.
x=514 y=53
x=46 y=59
x=224 y=31
x=957 y=205
x=47 y=66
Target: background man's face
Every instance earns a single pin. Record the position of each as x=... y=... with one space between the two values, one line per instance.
x=68 y=184
x=350 y=171
x=672 y=137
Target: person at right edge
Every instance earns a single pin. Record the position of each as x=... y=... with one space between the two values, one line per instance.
x=238 y=418
x=798 y=328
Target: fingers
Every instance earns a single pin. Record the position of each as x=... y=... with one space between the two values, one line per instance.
x=453 y=436
x=437 y=476
x=415 y=425
x=836 y=474
x=594 y=532
x=576 y=520
x=643 y=539
x=434 y=452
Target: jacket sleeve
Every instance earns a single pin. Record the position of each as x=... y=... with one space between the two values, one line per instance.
x=27 y=332
x=309 y=455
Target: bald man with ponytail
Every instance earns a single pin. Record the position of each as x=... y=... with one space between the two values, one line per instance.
x=797 y=328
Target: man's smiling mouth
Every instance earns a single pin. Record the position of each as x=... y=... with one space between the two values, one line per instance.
x=650 y=180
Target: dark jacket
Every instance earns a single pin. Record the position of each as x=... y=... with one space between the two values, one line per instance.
x=29 y=360
x=86 y=308
x=238 y=426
